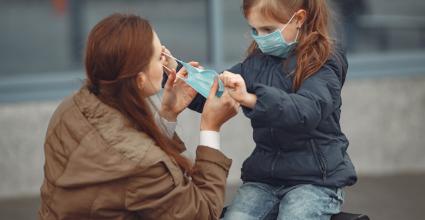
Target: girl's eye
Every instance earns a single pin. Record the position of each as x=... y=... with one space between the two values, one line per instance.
x=254 y=31
x=268 y=30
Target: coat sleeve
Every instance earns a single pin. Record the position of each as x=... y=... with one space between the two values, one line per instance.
x=162 y=192
x=316 y=99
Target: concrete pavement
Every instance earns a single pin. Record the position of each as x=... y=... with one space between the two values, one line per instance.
x=395 y=197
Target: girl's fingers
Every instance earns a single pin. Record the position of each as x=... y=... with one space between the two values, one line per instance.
x=234 y=82
x=228 y=80
x=223 y=77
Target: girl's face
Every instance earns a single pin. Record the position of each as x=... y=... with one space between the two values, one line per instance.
x=149 y=81
x=264 y=25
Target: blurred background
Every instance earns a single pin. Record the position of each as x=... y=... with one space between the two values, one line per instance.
x=383 y=115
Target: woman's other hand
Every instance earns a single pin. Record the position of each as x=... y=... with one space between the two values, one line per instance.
x=177 y=94
x=217 y=110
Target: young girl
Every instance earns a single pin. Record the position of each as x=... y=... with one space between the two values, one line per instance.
x=290 y=88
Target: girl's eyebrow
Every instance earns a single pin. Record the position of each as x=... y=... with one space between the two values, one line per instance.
x=266 y=27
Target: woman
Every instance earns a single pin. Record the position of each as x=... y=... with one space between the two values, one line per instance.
x=109 y=156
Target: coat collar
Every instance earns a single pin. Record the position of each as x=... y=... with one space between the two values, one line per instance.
x=113 y=127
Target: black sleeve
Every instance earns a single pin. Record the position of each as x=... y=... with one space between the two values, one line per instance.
x=317 y=98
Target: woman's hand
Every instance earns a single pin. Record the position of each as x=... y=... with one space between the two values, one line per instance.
x=236 y=87
x=217 y=110
x=177 y=94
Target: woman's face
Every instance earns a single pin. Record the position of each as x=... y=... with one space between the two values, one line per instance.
x=149 y=81
x=264 y=25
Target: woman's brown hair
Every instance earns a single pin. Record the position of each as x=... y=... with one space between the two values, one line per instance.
x=118 y=48
x=315 y=45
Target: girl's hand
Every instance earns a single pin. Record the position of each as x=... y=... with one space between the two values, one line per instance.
x=169 y=62
x=236 y=87
x=177 y=94
x=217 y=110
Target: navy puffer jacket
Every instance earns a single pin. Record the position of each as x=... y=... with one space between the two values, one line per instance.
x=297 y=134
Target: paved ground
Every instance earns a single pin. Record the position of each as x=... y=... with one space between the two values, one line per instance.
x=382 y=198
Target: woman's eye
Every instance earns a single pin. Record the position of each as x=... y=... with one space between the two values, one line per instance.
x=254 y=31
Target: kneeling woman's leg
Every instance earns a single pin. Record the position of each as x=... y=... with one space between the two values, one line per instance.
x=309 y=202
x=253 y=201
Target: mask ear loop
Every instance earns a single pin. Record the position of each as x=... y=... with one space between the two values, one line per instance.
x=168 y=70
x=170 y=56
x=298 y=29
x=290 y=20
x=298 y=34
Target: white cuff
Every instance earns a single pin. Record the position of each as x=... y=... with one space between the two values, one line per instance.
x=166 y=126
x=210 y=139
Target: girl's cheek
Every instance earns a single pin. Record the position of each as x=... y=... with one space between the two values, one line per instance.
x=289 y=36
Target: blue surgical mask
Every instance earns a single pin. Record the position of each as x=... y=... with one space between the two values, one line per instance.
x=202 y=80
x=274 y=44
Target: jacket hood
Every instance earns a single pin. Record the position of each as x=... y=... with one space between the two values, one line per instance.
x=338 y=62
x=111 y=149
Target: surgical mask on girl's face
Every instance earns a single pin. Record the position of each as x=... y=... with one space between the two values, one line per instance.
x=202 y=80
x=274 y=44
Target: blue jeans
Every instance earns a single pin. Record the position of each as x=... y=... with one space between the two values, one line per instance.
x=259 y=201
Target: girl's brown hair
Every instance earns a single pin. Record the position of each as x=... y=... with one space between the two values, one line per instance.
x=118 y=48
x=315 y=45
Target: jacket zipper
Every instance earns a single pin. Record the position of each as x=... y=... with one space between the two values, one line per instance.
x=320 y=159
x=274 y=163
x=276 y=157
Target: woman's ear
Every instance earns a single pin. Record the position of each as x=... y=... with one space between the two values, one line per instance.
x=141 y=79
x=300 y=18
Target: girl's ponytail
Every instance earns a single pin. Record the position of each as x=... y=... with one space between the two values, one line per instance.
x=315 y=45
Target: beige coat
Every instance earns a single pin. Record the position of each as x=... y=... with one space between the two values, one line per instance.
x=99 y=167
